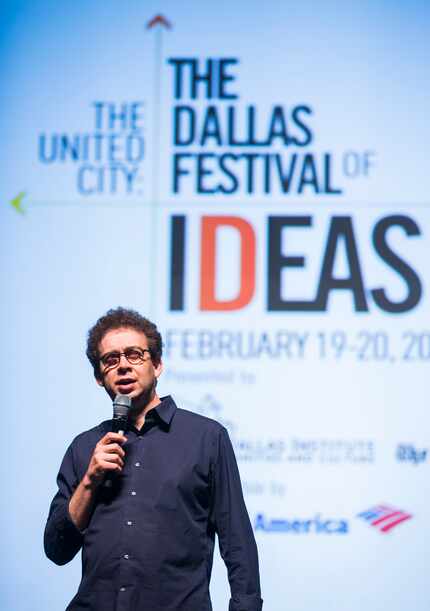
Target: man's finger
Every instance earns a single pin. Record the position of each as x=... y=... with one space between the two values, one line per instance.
x=113 y=458
x=115 y=448
x=113 y=437
x=111 y=466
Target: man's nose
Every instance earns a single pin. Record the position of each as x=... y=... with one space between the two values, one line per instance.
x=123 y=363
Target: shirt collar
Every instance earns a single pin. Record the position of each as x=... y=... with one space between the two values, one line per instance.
x=163 y=412
x=161 y=415
x=166 y=409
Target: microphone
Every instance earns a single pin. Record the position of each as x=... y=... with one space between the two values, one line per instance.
x=121 y=405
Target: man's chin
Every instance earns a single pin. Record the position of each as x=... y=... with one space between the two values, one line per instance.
x=139 y=397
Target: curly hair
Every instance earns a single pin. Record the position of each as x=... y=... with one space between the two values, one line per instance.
x=115 y=319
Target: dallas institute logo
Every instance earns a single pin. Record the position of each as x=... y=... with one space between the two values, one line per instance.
x=384 y=517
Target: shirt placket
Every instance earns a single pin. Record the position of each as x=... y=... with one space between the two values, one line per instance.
x=133 y=488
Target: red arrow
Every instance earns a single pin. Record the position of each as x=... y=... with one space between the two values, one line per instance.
x=159 y=19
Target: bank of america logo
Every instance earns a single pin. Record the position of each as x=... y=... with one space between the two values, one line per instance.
x=384 y=517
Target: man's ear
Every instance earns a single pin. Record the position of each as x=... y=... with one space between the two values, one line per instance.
x=99 y=381
x=158 y=369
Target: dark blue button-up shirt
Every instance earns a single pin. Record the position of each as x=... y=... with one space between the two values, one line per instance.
x=150 y=540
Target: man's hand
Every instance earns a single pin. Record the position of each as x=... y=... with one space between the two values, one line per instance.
x=108 y=456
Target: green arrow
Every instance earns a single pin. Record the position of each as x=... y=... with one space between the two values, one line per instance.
x=16 y=202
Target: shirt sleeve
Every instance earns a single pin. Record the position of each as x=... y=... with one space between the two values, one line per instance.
x=236 y=538
x=62 y=538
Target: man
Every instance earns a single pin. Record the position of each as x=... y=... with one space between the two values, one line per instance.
x=148 y=538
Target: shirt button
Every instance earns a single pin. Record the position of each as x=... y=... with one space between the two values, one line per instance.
x=133 y=493
x=122 y=589
x=126 y=556
x=129 y=523
x=137 y=464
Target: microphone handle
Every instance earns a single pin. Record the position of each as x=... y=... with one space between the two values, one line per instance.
x=118 y=426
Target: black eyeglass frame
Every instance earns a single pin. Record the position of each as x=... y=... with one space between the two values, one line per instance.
x=118 y=356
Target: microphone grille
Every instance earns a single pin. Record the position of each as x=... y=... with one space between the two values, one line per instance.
x=121 y=405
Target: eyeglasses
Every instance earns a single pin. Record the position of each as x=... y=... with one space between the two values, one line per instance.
x=135 y=356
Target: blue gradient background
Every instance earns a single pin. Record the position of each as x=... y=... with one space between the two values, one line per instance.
x=363 y=66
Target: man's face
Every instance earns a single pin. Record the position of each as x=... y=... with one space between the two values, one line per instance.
x=136 y=379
